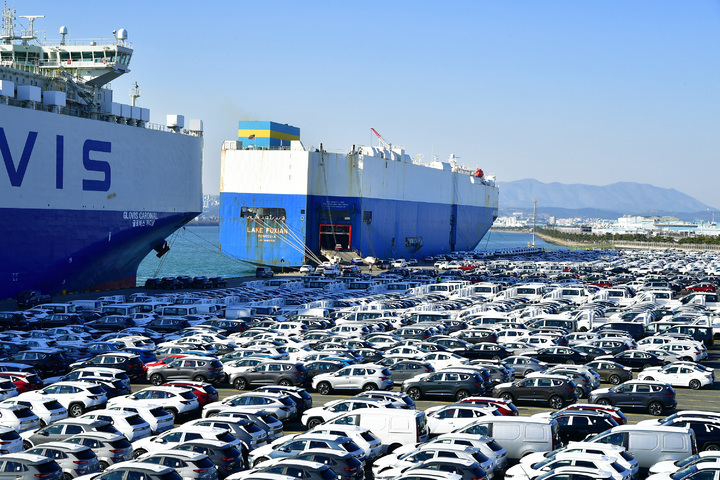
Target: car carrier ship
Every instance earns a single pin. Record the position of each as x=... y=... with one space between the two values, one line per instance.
x=282 y=204
x=88 y=187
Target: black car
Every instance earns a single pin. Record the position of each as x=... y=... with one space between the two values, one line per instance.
x=637 y=359
x=47 y=363
x=112 y=323
x=576 y=425
x=448 y=384
x=566 y=355
x=610 y=371
x=706 y=429
x=13 y=321
x=487 y=351
x=655 y=397
x=226 y=457
x=591 y=352
x=124 y=361
x=344 y=464
x=31 y=298
x=299 y=395
x=553 y=390
x=168 y=325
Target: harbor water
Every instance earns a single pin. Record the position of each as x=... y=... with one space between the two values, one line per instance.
x=195 y=251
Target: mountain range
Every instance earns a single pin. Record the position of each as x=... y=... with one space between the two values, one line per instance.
x=591 y=201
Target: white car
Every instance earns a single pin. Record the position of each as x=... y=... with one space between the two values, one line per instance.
x=679 y=375
x=176 y=401
x=77 y=397
x=395 y=463
x=10 y=441
x=18 y=417
x=129 y=424
x=366 y=376
x=449 y=418
x=280 y=405
x=179 y=435
x=313 y=417
x=372 y=446
x=440 y=360
x=672 y=466
x=158 y=419
x=307 y=269
x=524 y=471
x=48 y=409
x=489 y=447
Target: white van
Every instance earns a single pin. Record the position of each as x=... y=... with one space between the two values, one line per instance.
x=178 y=310
x=395 y=427
x=520 y=436
x=651 y=444
x=86 y=305
x=57 y=307
x=126 y=309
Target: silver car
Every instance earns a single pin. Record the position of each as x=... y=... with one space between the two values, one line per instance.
x=74 y=459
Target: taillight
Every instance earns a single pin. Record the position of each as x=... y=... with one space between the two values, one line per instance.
x=201 y=471
x=80 y=462
x=185 y=402
x=228 y=459
x=116 y=451
x=94 y=397
x=43 y=475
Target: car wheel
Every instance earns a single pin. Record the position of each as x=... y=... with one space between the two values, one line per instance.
x=580 y=392
x=259 y=461
x=172 y=412
x=496 y=358
x=156 y=379
x=324 y=388
x=570 y=361
x=647 y=365
x=614 y=379
x=507 y=397
x=369 y=386
x=583 y=329
x=687 y=359
x=527 y=372
x=604 y=401
x=461 y=394
x=240 y=383
x=314 y=422
x=27 y=445
x=655 y=408
x=414 y=393
x=712 y=447
x=199 y=378
x=76 y=409
x=555 y=402
x=695 y=384
x=67 y=476
x=649 y=379
x=139 y=453
x=102 y=465
x=284 y=382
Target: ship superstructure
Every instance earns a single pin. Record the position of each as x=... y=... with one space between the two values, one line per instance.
x=89 y=185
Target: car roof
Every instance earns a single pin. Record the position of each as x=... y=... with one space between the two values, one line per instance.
x=64 y=446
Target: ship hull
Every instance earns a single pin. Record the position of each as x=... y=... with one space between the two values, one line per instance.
x=363 y=203
x=83 y=201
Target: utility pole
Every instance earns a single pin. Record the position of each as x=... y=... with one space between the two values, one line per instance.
x=534 y=218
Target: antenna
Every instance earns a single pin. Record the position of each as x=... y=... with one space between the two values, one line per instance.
x=134 y=94
x=30 y=34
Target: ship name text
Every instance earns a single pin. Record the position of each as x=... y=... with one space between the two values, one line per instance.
x=90 y=150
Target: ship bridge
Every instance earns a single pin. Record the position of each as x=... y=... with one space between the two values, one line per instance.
x=95 y=62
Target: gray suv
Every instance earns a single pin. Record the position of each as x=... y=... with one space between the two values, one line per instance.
x=195 y=368
x=25 y=466
x=272 y=372
x=74 y=459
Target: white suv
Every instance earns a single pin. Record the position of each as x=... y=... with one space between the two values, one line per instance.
x=366 y=376
x=129 y=424
x=158 y=419
x=176 y=436
x=77 y=397
x=176 y=401
x=48 y=409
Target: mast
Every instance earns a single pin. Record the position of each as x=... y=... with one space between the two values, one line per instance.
x=534 y=218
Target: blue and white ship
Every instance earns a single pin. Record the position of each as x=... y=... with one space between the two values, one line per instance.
x=88 y=187
x=282 y=204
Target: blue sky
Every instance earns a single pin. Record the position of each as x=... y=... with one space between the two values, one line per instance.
x=558 y=91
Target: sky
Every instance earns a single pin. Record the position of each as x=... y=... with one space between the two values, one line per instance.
x=558 y=91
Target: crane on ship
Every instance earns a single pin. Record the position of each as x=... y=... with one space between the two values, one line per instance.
x=383 y=142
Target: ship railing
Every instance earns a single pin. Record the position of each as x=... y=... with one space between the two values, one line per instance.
x=86 y=42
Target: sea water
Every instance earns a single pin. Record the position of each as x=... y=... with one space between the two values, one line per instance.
x=195 y=251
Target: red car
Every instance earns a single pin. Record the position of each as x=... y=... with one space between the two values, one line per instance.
x=24 y=382
x=603 y=283
x=506 y=408
x=204 y=392
x=701 y=287
x=164 y=360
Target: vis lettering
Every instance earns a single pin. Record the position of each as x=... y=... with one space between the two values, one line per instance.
x=16 y=174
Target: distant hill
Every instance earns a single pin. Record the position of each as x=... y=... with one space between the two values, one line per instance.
x=610 y=201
